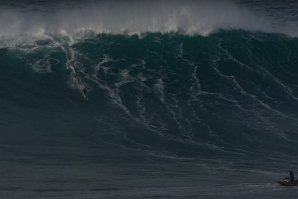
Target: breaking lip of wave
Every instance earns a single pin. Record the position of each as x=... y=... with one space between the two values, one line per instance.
x=136 y=17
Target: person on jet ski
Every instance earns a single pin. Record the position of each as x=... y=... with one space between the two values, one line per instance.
x=289 y=181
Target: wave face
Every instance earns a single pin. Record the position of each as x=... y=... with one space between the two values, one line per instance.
x=232 y=93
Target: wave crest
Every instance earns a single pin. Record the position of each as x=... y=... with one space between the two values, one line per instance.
x=135 y=17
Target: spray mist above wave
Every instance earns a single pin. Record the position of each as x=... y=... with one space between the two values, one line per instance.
x=132 y=17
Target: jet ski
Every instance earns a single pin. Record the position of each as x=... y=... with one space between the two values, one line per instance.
x=287 y=182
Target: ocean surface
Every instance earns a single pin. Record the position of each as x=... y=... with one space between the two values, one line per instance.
x=187 y=99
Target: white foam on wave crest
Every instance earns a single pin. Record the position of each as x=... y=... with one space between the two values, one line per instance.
x=134 y=17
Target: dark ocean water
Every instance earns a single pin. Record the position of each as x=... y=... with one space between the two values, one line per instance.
x=179 y=106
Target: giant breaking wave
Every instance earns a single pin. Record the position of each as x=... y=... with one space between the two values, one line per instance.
x=169 y=80
x=230 y=93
